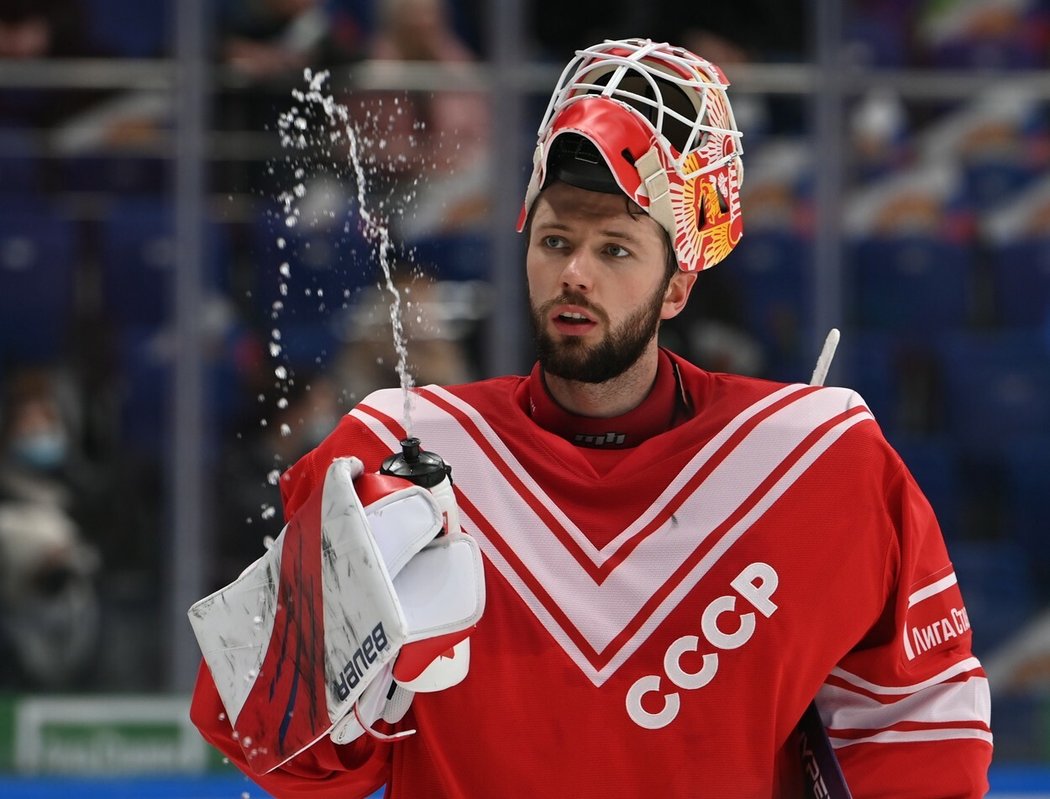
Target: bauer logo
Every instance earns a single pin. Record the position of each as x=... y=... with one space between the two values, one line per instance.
x=351 y=675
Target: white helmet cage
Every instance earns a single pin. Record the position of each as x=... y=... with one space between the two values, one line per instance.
x=689 y=131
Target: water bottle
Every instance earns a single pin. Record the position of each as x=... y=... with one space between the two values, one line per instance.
x=428 y=470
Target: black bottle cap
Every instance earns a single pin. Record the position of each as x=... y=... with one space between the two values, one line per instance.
x=412 y=463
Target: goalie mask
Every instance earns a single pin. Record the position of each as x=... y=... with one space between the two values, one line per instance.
x=651 y=121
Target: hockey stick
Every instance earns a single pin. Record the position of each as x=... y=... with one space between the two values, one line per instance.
x=820 y=372
x=824 y=779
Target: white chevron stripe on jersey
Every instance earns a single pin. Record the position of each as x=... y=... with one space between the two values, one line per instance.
x=645 y=585
x=599 y=556
x=511 y=464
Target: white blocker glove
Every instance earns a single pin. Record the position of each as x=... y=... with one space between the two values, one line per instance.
x=358 y=604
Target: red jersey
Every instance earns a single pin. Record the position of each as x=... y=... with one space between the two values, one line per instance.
x=658 y=617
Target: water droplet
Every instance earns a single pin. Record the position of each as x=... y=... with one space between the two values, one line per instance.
x=290 y=220
x=280 y=372
x=268 y=512
x=275 y=334
x=275 y=349
x=280 y=243
x=285 y=430
x=273 y=476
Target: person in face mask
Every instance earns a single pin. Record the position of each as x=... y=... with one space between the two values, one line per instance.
x=48 y=601
x=34 y=436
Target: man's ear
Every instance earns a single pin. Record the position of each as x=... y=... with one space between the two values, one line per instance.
x=677 y=293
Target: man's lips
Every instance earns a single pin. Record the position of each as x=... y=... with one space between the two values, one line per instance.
x=572 y=320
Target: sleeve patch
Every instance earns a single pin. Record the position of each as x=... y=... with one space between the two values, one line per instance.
x=936 y=616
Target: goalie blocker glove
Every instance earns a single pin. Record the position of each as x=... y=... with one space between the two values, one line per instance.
x=359 y=603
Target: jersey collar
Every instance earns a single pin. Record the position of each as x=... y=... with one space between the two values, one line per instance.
x=664 y=407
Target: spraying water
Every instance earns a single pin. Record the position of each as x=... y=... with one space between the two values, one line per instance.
x=293 y=126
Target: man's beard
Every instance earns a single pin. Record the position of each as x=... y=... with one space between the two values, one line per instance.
x=569 y=358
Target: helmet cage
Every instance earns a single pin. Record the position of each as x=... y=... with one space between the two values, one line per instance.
x=602 y=70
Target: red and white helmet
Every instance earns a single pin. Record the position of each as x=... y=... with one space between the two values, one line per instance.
x=660 y=118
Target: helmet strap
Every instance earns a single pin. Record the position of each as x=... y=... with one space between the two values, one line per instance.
x=658 y=187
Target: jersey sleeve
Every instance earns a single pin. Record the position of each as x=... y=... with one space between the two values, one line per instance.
x=325 y=770
x=908 y=709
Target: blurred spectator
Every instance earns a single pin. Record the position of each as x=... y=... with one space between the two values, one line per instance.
x=268 y=44
x=436 y=144
x=435 y=334
x=878 y=134
x=984 y=34
x=39 y=29
x=265 y=45
x=263 y=39
x=878 y=33
x=924 y=200
x=48 y=604
x=998 y=139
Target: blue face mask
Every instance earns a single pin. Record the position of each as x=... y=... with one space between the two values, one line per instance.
x=42 y=451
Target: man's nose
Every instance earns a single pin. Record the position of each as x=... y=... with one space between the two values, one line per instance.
x=578 y=273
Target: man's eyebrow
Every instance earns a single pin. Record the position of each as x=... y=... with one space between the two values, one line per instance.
x=609 y=232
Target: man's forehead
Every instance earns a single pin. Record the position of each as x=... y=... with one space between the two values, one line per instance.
x=561 y=202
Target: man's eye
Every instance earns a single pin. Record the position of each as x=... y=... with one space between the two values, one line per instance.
x=617 y=251
x=553 y=242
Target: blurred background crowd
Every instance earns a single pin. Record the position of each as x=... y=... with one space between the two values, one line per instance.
x=938 y=229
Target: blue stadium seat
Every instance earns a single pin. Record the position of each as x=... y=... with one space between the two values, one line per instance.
x=453 y=256
x=993 y=180
x=1026 y=504
x=38 y=269
x=933 y=462
x=327 y=265
x=909 y=283
x=131 y=28
x=146 y=362
x=996 y=584
x=770 y=270
x=997 y=385
x=1020 y=272
x=137 y=261
x=866 y=363
x=20 y=165
x=120 y=173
